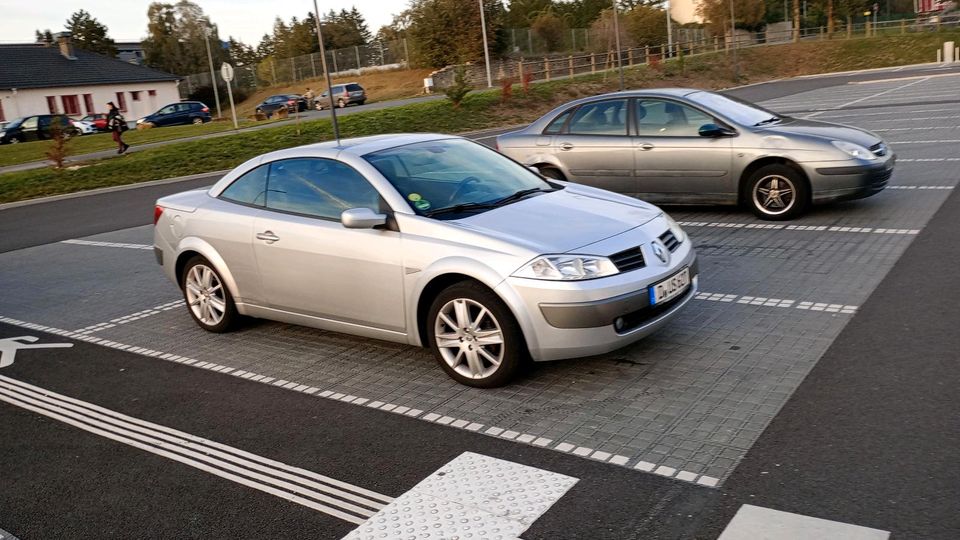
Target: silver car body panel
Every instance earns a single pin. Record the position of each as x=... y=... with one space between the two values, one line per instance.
x=701 y=170
x=371 y=282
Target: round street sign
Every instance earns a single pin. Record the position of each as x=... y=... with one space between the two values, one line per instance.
x=226 y=71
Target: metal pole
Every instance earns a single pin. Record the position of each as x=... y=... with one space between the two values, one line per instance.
x=213 y=78
x=323 y=59
x=733 y=36
x=486 y=50
x=667 y=6
x=616 y=31
x=233 y=110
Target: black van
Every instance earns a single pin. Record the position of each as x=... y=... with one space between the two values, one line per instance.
x=36 y=128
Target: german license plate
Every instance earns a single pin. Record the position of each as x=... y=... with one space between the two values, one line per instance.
x=672 y=286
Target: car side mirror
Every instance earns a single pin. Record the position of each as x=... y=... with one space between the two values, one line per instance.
x=713 y=130
x=362 y=218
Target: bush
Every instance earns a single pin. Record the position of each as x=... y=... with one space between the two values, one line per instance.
x=58 y=151
x=460 y=87
x=506 y=89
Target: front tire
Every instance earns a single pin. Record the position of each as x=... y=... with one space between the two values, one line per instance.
x=197 y=121
x=208 y=300
x=341 y=103
x=474 y=336
x=551 y=172
x=777 y=193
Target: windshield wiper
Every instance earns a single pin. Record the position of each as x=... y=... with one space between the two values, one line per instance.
x=462 y=207
x=770 y=120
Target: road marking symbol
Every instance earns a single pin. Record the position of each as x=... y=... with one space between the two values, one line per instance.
x=10 y=346
x=752 y=522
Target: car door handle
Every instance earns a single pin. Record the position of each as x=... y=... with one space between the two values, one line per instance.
x=646 y=146
x=268 y=237
x=566 y=146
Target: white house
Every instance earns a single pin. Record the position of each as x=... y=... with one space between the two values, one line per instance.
x=58 y=79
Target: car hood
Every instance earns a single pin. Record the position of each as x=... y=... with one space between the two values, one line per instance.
x=563 y=220
x=824 y=130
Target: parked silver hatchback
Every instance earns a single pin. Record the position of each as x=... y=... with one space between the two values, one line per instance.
x=429 y=240
x=685 y=146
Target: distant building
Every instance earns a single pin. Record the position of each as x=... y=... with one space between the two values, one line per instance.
x=130 y=51
x=685 y=11
x=58 y=79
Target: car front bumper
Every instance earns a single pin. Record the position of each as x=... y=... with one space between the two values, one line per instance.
x=831 y=182
x=573 y=319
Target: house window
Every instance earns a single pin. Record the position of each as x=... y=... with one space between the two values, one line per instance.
x=135 y=95
x=121 y=101
x=52 y=104
x=71 y=105
x=152 y=93
x=88 y=103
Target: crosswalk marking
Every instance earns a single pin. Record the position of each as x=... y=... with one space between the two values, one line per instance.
x=758 y=523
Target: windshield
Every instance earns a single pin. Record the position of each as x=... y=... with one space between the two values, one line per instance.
x=442 y=178
x=14 y=124
x=740 y=112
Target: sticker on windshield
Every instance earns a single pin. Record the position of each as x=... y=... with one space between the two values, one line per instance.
x=414 y=197
x=421 y=204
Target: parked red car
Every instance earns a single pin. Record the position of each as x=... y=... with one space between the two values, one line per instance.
x=99 y=121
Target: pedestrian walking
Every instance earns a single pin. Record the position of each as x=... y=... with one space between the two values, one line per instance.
x=117 y=124
x=309 y=95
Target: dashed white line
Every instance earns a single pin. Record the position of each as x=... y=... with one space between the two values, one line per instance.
x=132 y=317
x=909 y=160
x=106 y=244
x=781 y=227
x=776 y=302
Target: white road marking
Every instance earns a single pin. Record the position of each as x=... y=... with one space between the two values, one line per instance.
x=926 y=142
x=106 y=244
x=924 y=128
x=473 y=496
x=917 y=160
x=914 y=119
x=898 y=113
x=820 y=228
x=936 y=76
x=131 y=318
x=921 y=187
x=10 y=346
x=776 y=302
x=758 y=523
x=322 y=493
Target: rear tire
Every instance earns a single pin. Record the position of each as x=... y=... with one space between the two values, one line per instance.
x=474 y=336
x=208 y=299
x=341 y=103
x=777 y=192
x=197 y=121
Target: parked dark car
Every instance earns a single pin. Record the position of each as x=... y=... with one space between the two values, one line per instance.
x=35 y=128
x=99 y=121
x=185 y=112
x=343 y=95
x=272 y=104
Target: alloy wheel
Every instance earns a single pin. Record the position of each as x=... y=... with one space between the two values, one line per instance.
x=774 y=194
x=205 y=295
x=469 y=338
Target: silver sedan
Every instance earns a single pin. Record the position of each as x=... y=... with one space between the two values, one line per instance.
x=685 y=146
x=428 y=240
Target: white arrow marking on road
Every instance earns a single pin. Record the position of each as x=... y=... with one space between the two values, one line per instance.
x=10 y=346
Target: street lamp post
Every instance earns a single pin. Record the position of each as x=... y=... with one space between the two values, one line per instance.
x=616 y=31
x=666 y=6
x=486 y=49
x=326 y=72
x=213 y=77
x=733 y=36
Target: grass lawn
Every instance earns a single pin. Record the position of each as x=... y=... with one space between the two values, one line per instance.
x=480 y=110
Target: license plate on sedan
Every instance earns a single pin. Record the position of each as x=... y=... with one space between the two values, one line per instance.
x=663 y=291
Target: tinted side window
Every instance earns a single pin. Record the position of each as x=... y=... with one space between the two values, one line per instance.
x=557 y=125
x=250 y=188
x=320 y=188
x=29 y=123
x=167 y=110
x=662 y=118
x=607 y=117
x=354 y=87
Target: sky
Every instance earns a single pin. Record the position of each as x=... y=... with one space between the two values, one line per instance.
x=126 y=20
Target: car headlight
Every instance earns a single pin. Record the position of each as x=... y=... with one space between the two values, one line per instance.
x=675 y=229
x=854 y=150
x=141 y=120
x=567 y=268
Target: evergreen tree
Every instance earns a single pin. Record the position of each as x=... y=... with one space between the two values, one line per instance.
x=89 y=34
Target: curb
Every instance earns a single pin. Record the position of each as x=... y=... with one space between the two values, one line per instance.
x=111 y=189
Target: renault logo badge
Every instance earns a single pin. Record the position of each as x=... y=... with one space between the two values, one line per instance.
x=661 y=252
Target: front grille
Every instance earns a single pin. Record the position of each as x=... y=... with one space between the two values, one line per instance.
x=881 y=177
x=879 y=149
x=670 y=240
x=628 y=259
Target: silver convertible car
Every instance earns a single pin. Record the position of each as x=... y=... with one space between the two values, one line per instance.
x=685 y=146
x=429 y=240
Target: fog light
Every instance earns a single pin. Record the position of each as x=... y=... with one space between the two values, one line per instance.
x=618 y=324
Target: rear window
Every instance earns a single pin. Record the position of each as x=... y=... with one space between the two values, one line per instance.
x=556 y=126
x=354 y=87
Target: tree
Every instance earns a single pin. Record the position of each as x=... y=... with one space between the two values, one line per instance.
x=521 y=13
x=45 y=36
x=178 y=35
x=749 y=14
x=444 y=32
x=89 y=34
x=646 y=25
x=549 y=28
x=582 y=13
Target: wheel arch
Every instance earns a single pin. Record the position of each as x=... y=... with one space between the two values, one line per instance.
x=191 y=247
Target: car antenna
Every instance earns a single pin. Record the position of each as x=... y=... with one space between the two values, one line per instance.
x=323 y=60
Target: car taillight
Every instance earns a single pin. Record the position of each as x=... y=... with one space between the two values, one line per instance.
x=205 y=109
x=157 y=212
